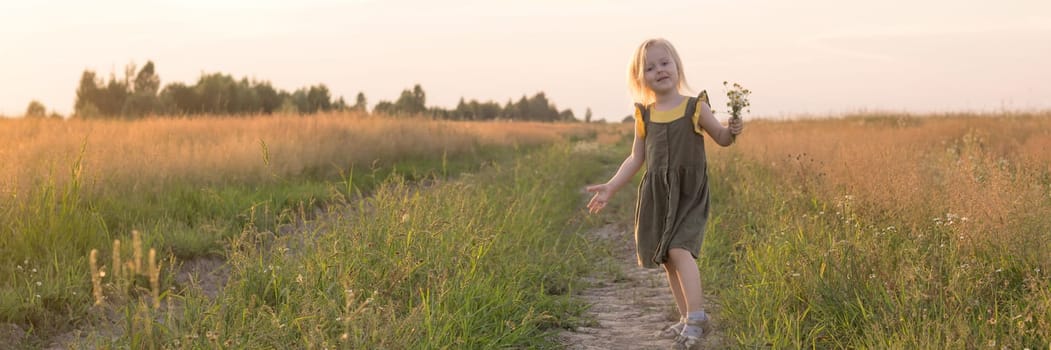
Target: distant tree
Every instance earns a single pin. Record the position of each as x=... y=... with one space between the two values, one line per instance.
x=360 y=103
x=269 y=98
x=179 y=99
x=139 y=105
x=489 y=110
x=112 y=97
x=510 y=111
x=340 y=105
x=143 y=98
x=628 y=119
x=36 y=110
x=215 y=92
x=541 y=109
x=147 y=81
x=522 y=110
x=318 y=99
x=88 y=93
x=384 y=107
x=462 y=111
x=566 y=115
x=418 y=93
x=587 y=115
x=411 y=102
x=300 y=100
x=288 y=107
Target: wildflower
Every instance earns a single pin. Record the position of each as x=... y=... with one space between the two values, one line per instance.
x=38 y=284
x=34 y=270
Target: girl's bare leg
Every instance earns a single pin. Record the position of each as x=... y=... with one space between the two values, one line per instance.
x=690 y=282
x=689 y=279
x=676 y=289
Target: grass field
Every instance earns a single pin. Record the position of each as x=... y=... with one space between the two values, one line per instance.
x=885 y=233
x=195 y=186
x=874 y=232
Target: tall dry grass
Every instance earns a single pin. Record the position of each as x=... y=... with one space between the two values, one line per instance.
x=989 y=170
x=211 y=150
x=890 y=232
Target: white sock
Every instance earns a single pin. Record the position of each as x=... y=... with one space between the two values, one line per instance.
x=698 y=315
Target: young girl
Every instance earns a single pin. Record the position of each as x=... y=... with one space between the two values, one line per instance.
x=672 y=208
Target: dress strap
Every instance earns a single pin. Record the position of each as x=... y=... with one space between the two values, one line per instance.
x=642 y=112
x=703 y=97
x=693 y=105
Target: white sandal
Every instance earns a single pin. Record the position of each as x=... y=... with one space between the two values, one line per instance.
x=672 y=331
x=684 y=341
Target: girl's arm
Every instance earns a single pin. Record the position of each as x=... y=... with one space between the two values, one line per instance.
x=630 y=166
x=724 y=136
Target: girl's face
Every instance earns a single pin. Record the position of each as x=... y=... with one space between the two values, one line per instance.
x=662 y=76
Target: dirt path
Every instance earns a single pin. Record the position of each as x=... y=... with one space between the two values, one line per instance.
x=629 y=308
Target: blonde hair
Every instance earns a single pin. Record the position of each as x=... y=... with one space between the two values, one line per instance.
x=637 y=71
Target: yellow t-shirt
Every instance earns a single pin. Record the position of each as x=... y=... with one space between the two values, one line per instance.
x=670 y=115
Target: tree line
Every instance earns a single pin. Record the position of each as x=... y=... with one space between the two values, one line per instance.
x=536 y=108
x=139 y=94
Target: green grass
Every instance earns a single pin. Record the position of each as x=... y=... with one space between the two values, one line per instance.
x=793 y=270
x=45 y=235
x=484 y=261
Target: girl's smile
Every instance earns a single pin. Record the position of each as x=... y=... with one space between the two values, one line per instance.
x=661 y=73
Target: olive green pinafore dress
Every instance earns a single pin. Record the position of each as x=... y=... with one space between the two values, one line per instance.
x=672 y=208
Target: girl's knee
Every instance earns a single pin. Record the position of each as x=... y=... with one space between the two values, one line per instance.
x=679 y=254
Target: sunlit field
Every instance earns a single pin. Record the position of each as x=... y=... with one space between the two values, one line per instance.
x=347 y=231
x=153 y=152
x=885 y=232
x=196 y=187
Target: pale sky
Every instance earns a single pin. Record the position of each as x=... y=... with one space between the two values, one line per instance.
x=813 y=57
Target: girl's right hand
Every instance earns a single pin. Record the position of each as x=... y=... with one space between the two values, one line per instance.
x=602 y=193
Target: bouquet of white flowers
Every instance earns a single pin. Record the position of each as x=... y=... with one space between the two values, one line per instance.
x=738 y=99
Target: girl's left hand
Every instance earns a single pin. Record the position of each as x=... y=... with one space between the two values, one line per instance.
x=736 y=126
